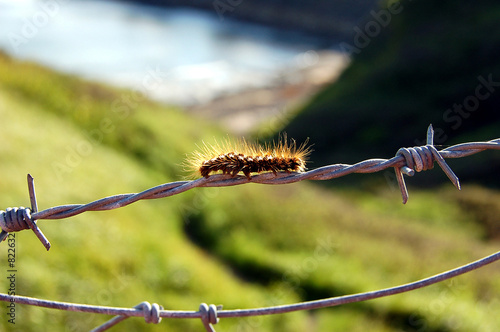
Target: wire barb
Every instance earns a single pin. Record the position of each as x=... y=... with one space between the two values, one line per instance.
x=421 y=158
x=151 y=312
x=406 y=161
x=151 y=315
x=18 y=219
x=209 y=316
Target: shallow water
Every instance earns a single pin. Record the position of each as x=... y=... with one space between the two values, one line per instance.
x=174 y=55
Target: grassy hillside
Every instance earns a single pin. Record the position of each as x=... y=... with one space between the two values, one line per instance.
x=427 y=63
x=244 y=246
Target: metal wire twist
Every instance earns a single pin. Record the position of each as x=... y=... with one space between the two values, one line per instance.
x=422 y=158
x=15 y=219
x=18 y=219
x=151 y=313
x=406 y=161
x=210 y=314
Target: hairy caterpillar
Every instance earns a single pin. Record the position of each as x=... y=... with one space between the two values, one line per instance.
x=233 y=157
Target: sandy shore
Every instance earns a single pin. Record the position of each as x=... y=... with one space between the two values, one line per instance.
x=267 y=109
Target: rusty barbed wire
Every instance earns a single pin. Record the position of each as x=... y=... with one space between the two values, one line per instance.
x=407 y=161
x=210 y=314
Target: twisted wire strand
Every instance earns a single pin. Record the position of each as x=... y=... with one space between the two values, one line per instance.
x=220 y=180
x=210 y=315
x=15 y=219
x=406 y=161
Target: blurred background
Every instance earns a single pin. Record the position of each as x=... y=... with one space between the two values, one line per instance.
x=106 y=97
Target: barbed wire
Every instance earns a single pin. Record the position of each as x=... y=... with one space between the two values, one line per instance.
x=210 y=314
x=406 y=162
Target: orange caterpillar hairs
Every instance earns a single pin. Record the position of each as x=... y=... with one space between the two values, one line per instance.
x=233 y=157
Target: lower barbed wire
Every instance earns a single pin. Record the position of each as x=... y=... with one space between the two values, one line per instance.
x=211 y=314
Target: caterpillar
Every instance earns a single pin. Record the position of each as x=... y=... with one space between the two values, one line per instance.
x=241 y=156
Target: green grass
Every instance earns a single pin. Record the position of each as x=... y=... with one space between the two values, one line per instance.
x=243 y=247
